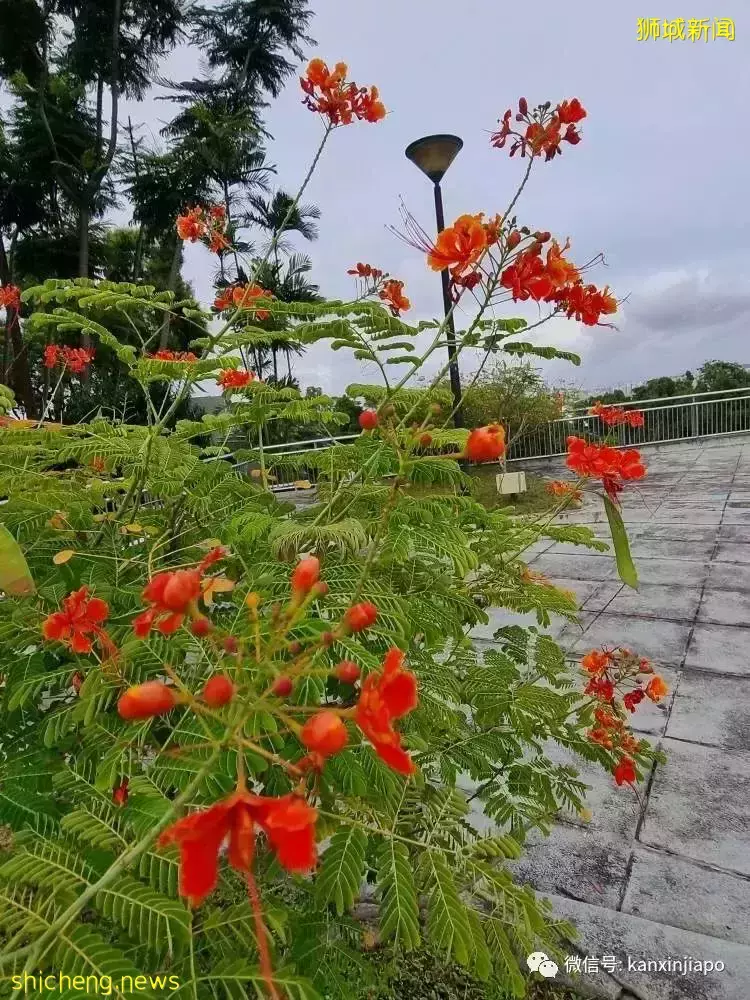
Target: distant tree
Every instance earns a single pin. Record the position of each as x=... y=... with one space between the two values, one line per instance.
x=714 y=376
x=512 y=394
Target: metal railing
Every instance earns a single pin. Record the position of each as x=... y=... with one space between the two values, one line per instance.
x=666 y=419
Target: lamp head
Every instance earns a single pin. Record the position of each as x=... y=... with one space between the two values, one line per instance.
x=434 y=154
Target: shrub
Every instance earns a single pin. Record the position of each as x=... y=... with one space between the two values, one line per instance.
x=171 y=635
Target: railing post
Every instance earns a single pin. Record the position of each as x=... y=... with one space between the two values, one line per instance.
x=694 y=417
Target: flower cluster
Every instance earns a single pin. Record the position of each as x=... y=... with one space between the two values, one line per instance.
x=328 y=93
x=613 y=416
x=10 y=297
x=605 y=463
x=555 y=280
x=72 y=359
x=544 y=131
x=243 y=297
x=461 y=246
x=205 y=223
x=234 y=378
x=559 y=488
x=377 y=282
x=609 y=671
x=174 y=595
x=165 y=355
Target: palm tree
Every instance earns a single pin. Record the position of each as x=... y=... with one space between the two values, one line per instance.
x=288 y=283
x=278 y=215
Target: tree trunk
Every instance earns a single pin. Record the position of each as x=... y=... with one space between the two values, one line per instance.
x=84 y=220
x=174 y=274
x=15 y=357
x=275 y=365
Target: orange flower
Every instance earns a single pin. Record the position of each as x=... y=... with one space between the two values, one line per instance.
x=570 y=112
x=611 y=465
x=387 y=696
x=231 y=378
x=560 y=271
x=288 y=822
x=209 y=223
x=328 y=93
x=485 y=444
x=392 y=294
x=559 y=488
x=596 y=662
x=543 y=132
x=612 y=416
x=164 y=355
x=459 y=246
x=656 y=688
x=191 y=226
x=146 y=700
x=80 y=619
x=586 y=303
x=244 y=297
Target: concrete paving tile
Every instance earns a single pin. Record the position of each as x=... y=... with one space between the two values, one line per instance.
x=721 y=648
x=732 y=552
x=671 y=570
x=631 y=939
x=645 y=547
x=726 y=607
x=713 y=826
x=728 y=576
x=681 y=532
x=592 y=595
x=589 y=863
x=712 y=710
x=697 y=516
x=735 y=533
x=661 y=641
x=576 y=567
x=611 y=811
x=671 y=890
x=736 y=515
x=657 y=600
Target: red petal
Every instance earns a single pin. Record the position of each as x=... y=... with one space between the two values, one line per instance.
x=399 y=693
x=395 y=757
x=97 y=610
x=199 y=838
x=142 y=624
x=242 y=838
x=55 y=626
x=79 y=643
x=170 y=624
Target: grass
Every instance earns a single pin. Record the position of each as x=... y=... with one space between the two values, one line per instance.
x=533 y=501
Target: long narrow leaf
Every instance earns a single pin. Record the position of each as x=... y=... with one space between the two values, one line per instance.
x=15 y=577
x=625 y=565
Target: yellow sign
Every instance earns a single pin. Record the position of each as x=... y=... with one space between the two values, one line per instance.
x=682 y=29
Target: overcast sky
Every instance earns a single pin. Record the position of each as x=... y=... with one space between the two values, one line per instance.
x=659 y=182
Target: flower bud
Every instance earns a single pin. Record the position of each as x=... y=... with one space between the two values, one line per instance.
x=306 y=574
x=324 y=733
x=523 y=106
x=230 y=644
x=368 y=420
x=218 y=691
x=200 y=627
x=514 y=239
x=425 y=440
x=320 y=589
x=282 y=686
x=146 y=700
x=295 y=648
x=360 y=616
x=347 y=672
x=120 y=793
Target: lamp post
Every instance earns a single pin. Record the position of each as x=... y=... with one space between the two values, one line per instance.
x=433 y=155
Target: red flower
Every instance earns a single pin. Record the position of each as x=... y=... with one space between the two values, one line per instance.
x=146 y=700
x=172 y=596
x=10 y=297
x=231 y=378
x=625 y=772
x=347 y=672
x=459 y=246
x=305 y=575
x=288 y=822
x=633 y=698
x=244 y=297
x=586 y=303
x=51 y=355
x=184 y=356
x=324 y=733
x=120 y=793
x=81 y=617
x=611 y=465
x=386 y=696
x=360 y=616
x=74 y=359
x=392 y=294
x=365 y=271
x=192 y=225
x=570 y=112
x=218 y=691
x=600 y=687
x=485 y=444
x=199 y=223
x=559 y=488
x=368 y=420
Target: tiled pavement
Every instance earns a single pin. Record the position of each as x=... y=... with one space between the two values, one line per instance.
x=667 y=872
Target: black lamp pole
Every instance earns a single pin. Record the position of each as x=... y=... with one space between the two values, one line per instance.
x=433 y=155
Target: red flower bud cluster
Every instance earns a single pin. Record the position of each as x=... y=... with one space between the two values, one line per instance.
x=367 y=271
x=205 y=223
x=329 y=94
x=233 y=378
x=544 y=131
x=73 y=359
x=613 y=416
x=602 y=461
x=485 y=444
x=164 y=355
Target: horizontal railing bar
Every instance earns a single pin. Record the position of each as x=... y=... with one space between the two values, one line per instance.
x=659 y=399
